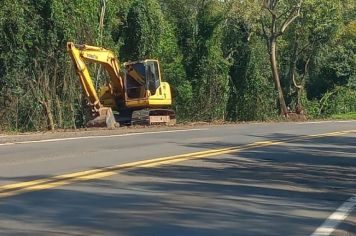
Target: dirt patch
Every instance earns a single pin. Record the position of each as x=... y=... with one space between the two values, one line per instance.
x=296 y=117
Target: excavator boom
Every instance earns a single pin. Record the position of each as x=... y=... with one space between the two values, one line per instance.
x=102 y=116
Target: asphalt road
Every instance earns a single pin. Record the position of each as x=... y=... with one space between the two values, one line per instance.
x=252 y=179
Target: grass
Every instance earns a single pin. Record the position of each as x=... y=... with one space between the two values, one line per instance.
x=347 y=116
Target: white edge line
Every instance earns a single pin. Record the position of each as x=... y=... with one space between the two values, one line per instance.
x=329 y=226
x=100 y=136
x=326 y=121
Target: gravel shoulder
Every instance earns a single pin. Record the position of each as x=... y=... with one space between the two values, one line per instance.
x=58 y=134
x=84 y=132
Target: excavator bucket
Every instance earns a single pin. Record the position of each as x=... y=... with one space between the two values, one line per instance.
x=103 y=118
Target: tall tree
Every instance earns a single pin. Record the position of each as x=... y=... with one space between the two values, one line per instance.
x=281 y=15
x=147 y=34
x=317 y=26
x=251 y=92
x=198 y=25
x=142 y=30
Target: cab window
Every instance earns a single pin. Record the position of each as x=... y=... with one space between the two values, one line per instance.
x=152 y=76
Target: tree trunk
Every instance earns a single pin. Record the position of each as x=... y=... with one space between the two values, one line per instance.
x=292 y=77
x=59 y=111
x=47 y=108
x=73 y=116
x=276 y=79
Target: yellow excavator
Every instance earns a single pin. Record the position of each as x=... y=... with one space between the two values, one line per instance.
x=136 y=95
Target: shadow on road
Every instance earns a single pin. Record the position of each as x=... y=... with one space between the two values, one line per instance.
x=277 y=190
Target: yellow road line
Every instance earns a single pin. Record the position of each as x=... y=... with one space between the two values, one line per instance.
x=60 y=180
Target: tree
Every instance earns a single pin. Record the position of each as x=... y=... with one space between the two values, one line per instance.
x=199 y=29
x=280 y=19
x=142 y=30
x=250 y=90
x=147 y=34
x=38 y=87
x=213 y=53
x=316 y=27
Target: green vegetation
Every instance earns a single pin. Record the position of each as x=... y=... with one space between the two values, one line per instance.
x=347 y=116
x=225 y=60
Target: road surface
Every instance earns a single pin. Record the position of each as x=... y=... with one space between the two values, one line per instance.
x=251 y=179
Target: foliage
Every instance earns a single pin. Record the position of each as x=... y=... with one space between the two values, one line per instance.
x=38 y=87
x=198 y=30
x=347 y=116
x=147 y=34
x=142 y=32
x=211 y=52
x=334 y=64
x=251 y=94
x=341 y=100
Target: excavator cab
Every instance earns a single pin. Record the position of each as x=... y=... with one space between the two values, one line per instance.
x=142 y=79
x=144 y=86
x=147 y=96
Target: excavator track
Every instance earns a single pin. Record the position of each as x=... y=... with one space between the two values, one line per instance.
x=153 y=117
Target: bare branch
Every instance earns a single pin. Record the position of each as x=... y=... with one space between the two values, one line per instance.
x=303 y=49
x=274 y=4
x=249 y=36
x=294 y=82
x=306 y=67
x=294 y=14
x=270 y=7
x=270 y=4
x=265 y=33
x=266 y=4
x=288 y=22
x=283 y=14
x=273 y=13
x=230 y=55
x=267 y=36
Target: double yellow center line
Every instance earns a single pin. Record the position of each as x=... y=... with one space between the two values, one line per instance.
x=60 y=180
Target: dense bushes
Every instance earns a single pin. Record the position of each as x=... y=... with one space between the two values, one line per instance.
x=212 y=53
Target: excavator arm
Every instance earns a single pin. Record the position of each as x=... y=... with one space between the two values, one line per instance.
x=82 y=53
